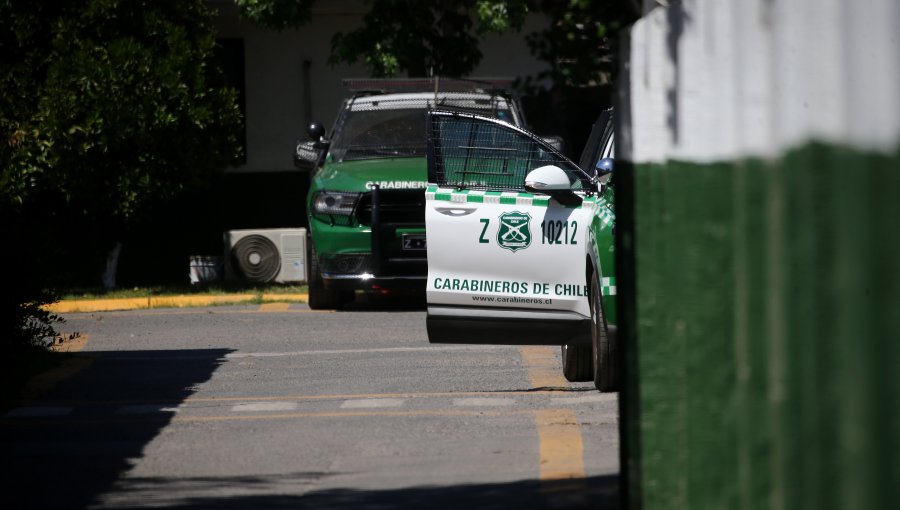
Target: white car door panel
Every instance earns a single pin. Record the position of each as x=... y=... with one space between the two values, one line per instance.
x=515 y=254
x=505 y=266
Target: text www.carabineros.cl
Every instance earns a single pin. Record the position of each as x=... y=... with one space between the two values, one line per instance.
x=514 y=299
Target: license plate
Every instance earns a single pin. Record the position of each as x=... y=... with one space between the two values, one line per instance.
x=413 y=241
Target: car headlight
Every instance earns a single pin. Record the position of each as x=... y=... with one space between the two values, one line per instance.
x=338 y=203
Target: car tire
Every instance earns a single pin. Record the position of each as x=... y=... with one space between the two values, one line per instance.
x=320 y=297
x=576 y=362
x=601 y=346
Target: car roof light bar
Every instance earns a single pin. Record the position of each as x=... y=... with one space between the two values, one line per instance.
x=436 y=84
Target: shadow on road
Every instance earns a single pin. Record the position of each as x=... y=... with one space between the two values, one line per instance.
x=394 y=301
x=72 y=448
x=73 y=444
x=596 y=493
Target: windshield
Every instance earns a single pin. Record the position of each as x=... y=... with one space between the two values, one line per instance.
x=380 y=133
x=372 y=132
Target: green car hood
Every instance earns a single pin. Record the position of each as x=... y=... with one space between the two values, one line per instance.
x=394 y=173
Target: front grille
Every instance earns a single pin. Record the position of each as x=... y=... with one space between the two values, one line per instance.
x=401 y=216
x=397 y=206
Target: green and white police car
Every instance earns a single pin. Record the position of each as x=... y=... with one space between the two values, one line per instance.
x=367 y=182
x=520 y=242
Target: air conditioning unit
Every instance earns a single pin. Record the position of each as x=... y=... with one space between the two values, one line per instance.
x=266 y=255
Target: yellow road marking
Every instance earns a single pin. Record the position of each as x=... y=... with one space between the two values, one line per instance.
x=302 y=398
x=302 y=310
x=271 y=416
x=286 y=297
x=43 y=382
x=360 y=396
x=347 y=414
x=561 y=445
x=559 y=434
x=75 y=344
x=543 y=367
x=274 y=307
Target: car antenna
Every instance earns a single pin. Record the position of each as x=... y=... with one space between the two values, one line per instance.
x=437 y=81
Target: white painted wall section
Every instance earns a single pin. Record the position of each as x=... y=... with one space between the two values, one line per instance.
x=715 y=80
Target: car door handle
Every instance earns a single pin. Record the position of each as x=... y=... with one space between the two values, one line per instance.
x=455 y=211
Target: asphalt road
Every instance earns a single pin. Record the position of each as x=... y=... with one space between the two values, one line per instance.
x=277 y=406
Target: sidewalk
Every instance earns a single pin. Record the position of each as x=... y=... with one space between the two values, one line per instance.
x=183 y=301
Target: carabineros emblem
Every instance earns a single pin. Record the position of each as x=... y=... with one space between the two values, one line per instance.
x=515 y=231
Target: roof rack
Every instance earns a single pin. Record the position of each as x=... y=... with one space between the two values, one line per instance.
x=365 y=86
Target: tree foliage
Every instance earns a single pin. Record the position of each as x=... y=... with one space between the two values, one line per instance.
x=111 y=104
x=276 y=14
x=439 y=37
x=580 y=41
x=416 y=37
x=107 y=107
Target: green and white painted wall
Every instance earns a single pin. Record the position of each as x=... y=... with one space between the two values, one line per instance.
x=759 y=148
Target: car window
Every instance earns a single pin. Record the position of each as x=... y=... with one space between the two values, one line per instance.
x=495 y=107
x=478 y=153
x=380 y=133
x=599 y=144
x=607 y=146
x=609 y=150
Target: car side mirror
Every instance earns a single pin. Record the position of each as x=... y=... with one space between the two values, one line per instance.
x=604 y=167
x=316 y=132
x=552 y=180
x=547 y=178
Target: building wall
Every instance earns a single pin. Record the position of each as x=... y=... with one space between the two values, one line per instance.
x=280 y=101
x=760 y=157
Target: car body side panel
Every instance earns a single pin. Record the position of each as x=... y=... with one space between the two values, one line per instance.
x=602 y=237
x=603 y=254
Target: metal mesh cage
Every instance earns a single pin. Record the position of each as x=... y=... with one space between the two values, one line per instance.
x=306 y=151
x=473 y=152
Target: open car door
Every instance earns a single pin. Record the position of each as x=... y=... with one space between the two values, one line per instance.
x=507 y=218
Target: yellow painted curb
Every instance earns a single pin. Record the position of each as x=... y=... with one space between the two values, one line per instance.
x=185 y=301
x=96 y=305
x=110 y=305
